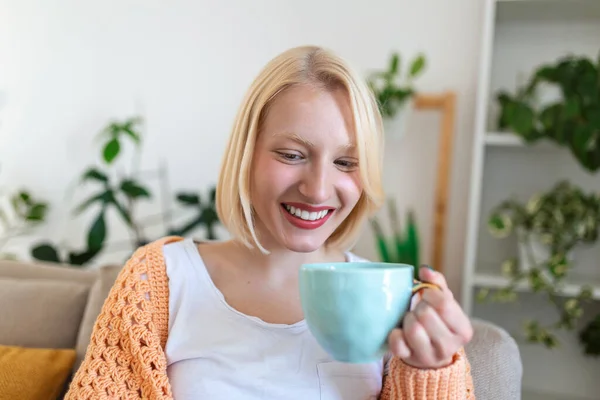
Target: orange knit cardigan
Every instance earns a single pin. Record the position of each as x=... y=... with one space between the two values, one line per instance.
x=125 y=358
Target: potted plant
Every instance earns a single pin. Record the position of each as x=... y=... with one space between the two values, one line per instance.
x=393 y=88
x=404 y=245
x=560 y=103
x=549 y=227
x=122 y=192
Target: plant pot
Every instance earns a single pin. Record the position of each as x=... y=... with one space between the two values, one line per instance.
x=396 y=126
x=532 y=252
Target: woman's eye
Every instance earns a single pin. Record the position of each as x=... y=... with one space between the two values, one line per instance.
x=290 y=156
x=347 y=164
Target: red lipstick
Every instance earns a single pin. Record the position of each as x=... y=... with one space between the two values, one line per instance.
x=306 y=224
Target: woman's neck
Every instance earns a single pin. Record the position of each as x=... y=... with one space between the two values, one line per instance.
x=281 y=261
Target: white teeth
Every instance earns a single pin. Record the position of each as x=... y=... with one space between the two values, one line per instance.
x=306 y=215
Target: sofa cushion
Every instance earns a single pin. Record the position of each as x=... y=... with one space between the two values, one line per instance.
x=98 y=294
x=32 y=373
x=44 y=270
x=41 y=313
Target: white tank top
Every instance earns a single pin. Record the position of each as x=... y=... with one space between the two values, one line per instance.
x=216 y=352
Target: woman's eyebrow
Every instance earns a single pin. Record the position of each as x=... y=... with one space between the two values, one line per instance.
x=305 y=142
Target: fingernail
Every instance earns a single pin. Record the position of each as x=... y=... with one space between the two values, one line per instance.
x=427 y=266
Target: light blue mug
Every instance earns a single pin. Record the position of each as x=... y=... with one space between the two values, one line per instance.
x=351 y=307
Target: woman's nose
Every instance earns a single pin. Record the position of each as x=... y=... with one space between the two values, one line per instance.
x=316 y=185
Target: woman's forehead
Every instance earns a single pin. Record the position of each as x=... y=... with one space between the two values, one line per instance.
x=309 y=115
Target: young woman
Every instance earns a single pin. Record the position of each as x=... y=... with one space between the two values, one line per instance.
x=223 y=320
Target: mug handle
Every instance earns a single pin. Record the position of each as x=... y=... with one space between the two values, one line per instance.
x=418 y=286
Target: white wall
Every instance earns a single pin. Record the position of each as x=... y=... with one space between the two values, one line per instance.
x=67 y=67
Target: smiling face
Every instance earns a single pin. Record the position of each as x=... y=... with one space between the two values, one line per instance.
x=305 y=175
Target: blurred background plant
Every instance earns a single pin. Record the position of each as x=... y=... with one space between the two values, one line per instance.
x=123 y=191
x=561 y=103
x=20 y=214
x=393 y=87
x=549 y=227
x=403 y=246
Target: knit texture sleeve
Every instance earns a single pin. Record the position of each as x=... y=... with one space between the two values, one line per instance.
x=453 y=382
x=125 y=357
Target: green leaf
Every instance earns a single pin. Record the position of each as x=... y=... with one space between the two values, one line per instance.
x=104 y=197
x=394 y=64
x=37 y=212
x=133 y=189
x=97 y=233
x=401 y=95
x=572 y=108
x=45 y=252
x=412 y=241
x=128 y=129
x=384 y=252
x=209 y=216
x=83 y=257
x=417 y=66
x=123 y=212
x=94 y=174
x=499 y=225
x=190 y=199
x=482 y=295
x=133 y=135
x=25 y=197
x=210 y=233
x=523 y=116
x=111 y=150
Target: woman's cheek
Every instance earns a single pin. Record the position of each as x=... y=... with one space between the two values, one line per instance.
x=350 y=186
x=276 y=173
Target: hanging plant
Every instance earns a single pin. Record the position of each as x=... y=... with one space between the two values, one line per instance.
x=558 y=220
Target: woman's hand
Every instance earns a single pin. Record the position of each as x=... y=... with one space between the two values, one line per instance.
x=434 y=330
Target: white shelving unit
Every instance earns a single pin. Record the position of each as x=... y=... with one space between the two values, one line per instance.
x=518 y=36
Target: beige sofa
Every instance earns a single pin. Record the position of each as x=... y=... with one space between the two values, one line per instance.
x=48 y=306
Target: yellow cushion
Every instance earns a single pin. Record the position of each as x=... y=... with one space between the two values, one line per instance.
x=30 y=373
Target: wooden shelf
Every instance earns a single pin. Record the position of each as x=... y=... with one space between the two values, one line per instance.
x=497 y=282
x=503 y=139
x=548 y=10
x=488 y=278
x=507 y=139
x=517 y=37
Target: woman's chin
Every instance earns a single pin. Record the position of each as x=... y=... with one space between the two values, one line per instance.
x=303 y=244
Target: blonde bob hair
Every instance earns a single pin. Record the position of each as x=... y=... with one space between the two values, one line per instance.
x=306 y=65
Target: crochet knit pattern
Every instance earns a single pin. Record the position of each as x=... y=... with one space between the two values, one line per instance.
x=125 y=358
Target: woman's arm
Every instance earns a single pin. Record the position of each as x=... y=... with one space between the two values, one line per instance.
x=452 y=382
x=125 y=357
